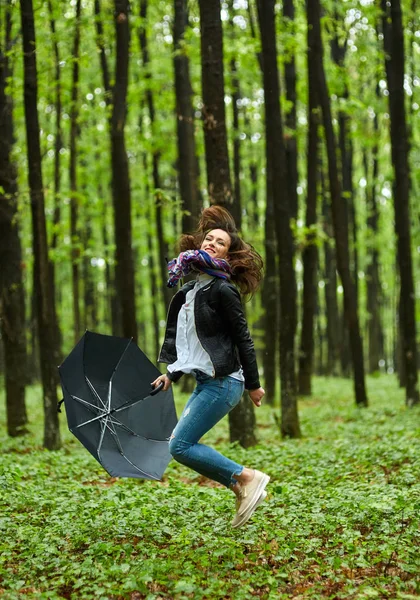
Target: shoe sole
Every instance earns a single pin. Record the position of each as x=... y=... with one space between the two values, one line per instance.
x=264 y=481
x=248 y=514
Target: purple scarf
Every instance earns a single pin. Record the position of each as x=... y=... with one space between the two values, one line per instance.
x=197 y=260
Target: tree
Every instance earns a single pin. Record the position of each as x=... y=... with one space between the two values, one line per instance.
x=338 y=207
x=187 y=159
x=310 y=250
x=290 y=79
x=74 y=201
x=12 y=299
x=242 y=417
x=121 y=192
x=277 y=187
x=394 y=64
x=163 y=248
x=213 y=110
x=43 y=290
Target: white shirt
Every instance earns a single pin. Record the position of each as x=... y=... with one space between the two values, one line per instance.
x=191 y=354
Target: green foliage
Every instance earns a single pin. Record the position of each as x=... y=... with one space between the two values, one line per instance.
x=341 y=519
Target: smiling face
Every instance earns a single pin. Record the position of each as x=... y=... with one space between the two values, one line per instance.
x=216 y=243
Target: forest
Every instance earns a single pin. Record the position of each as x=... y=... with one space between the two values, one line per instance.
x=119 y=122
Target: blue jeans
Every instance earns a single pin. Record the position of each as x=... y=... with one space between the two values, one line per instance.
x=211 y=400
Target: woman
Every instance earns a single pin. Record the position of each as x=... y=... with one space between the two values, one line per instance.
x=207 y=335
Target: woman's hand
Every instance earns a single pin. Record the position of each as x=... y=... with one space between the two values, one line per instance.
x=166 y=382
x=256 y=395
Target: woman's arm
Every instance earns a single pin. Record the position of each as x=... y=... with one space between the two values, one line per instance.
x=234 y=317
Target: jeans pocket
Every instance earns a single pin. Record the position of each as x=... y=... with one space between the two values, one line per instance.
x=234 y=392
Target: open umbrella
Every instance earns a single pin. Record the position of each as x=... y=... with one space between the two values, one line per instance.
x=112 y=409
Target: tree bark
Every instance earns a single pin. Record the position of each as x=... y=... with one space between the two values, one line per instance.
x=276 y=164
x=58 y=144
x=163 y=247
x=290 y=78
x=187 y=159
x=374 y=295
x=236 y=208
x=74 y=201
x=12 y=298
x=43 y=291
x=394 y=63
x=213 y=111
x=242 y=417
x=330 y=280
x=121 y=192
x=310 y=250
x=338 y=209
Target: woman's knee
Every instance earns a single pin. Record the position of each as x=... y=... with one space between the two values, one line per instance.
x=176 y=447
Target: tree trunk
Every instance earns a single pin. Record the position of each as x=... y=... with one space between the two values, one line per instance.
x=44 y=299
x=374 y=295
x=163 y=247
x=187 y=159
x=394 y=63
x=121 y=192
x=242 y=423
x=290 y=117
x=276 y=161
x=236 y=208
x=58 y=144
x=338 y=209
x=330 y=280
x=74 y=201
x=242 y=417
x=213 y=111
x=269 y=296
x=12 y=298
x=310 y=251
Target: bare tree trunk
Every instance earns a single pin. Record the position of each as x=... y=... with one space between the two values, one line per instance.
x=290 y=117
x=58 y=144
x=121 y=191
x=338 y=210
x=394 y=63
x=12 y=297
x=214 y=118
x=310 y=251
x=330 y=280
x=187 y=159
x=74 y=202
x=163 y=247
x=242 y=417
x=276 y=162
x=44 y=299
x=374 y=294
x=236 y=208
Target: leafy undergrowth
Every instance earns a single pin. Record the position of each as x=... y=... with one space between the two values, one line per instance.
x=341 y=519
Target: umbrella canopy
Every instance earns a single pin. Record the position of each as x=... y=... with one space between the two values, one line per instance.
x=112 y=409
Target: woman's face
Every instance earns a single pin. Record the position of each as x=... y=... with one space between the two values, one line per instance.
x=216 y=243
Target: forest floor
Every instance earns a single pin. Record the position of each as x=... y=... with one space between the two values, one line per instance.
x=341 y=519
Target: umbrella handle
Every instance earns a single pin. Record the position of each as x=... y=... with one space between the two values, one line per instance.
x=157 y=389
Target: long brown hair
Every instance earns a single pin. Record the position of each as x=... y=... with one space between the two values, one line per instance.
x=247 y=265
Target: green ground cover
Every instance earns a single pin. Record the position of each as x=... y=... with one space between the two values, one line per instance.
x=341 y=519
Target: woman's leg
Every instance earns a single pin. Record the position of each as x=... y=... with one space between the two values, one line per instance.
x=211 y=401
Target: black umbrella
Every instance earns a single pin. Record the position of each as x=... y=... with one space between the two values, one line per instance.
x=112 y=408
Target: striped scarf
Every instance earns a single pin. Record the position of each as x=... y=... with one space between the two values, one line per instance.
x=196 y=260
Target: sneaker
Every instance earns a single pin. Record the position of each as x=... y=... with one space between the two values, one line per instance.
x=250 y=492
x=238 y=521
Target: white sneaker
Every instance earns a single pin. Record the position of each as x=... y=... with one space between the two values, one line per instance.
x=238 y=521
x=249 y=493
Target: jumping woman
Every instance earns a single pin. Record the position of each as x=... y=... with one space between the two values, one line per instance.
x=207 y=335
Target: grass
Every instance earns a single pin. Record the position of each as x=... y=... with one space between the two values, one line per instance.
x=341 y=519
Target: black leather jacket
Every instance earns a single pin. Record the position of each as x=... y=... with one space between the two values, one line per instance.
x=221 y=329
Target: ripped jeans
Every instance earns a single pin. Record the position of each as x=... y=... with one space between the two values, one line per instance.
x=211 y=400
